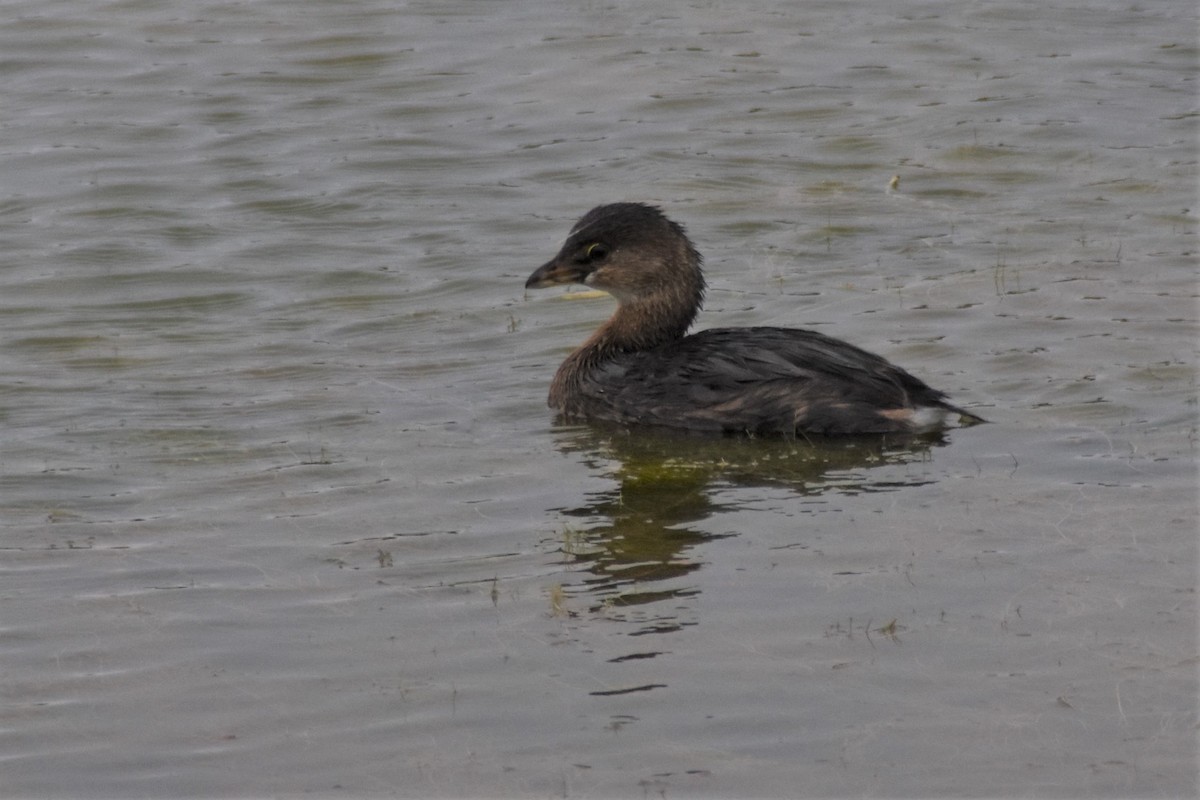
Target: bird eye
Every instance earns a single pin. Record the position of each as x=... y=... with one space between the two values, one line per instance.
x=596 y=252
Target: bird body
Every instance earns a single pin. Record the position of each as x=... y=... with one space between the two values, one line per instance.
x=640 y=367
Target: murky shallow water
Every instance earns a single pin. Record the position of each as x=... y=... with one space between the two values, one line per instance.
x=282 y=510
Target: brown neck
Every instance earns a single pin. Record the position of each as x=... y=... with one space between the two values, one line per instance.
x=637 y=325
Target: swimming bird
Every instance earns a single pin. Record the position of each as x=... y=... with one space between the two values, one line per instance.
x=642 y=368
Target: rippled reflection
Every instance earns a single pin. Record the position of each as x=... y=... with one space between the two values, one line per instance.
x=638 y=537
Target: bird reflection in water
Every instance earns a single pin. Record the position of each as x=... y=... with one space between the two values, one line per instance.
x=638 y=539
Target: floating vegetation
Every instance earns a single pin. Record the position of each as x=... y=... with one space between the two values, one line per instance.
x=558 y=602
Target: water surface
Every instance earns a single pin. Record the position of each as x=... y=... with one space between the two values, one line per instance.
x=282 y=510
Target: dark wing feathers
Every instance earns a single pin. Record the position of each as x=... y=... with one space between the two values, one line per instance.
x=760 y=380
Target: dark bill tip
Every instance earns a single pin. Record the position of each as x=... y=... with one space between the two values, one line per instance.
x=554 y=274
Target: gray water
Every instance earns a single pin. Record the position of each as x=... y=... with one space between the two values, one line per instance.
x=283 y=512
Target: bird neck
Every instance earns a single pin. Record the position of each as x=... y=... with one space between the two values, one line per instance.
x=645 y=323
x=637 y=325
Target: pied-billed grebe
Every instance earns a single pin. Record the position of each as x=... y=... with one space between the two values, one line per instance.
x=640 y=368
